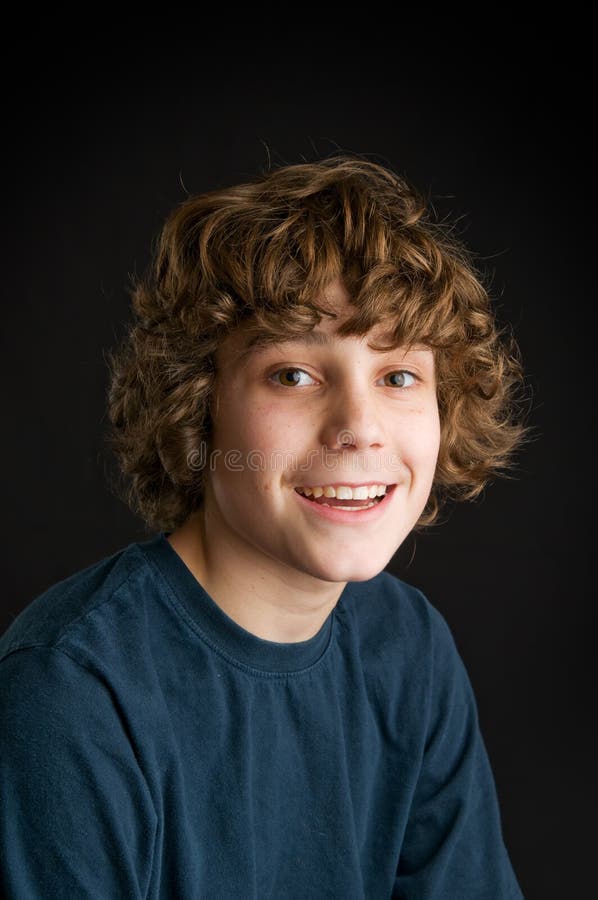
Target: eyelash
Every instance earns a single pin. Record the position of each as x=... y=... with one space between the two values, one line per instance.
x=297 y=369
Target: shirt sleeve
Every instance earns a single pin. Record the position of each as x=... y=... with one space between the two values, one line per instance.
x=453 y=845
x=76 y=816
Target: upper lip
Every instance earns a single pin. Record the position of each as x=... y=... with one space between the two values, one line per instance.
x=350 y=484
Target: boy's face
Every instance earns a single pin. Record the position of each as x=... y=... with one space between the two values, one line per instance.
x=315 y=415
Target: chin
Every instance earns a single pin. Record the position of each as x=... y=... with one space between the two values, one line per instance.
x=350 y=569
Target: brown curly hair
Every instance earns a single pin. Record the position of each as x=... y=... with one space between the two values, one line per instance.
x=262 y=253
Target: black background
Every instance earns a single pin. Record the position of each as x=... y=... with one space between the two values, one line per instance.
x=104 y=136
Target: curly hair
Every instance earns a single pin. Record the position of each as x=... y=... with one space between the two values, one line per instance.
x=261 y=254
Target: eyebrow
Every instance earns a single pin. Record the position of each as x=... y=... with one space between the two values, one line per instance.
x=310 y=338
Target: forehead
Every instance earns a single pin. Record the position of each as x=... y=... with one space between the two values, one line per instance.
x=245 y=343
x=243 y=348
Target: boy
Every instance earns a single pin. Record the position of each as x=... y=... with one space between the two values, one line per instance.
x=247 y=705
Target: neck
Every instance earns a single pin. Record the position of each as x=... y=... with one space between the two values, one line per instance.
x=273 y=602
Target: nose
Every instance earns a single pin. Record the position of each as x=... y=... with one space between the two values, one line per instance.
x=353 y=420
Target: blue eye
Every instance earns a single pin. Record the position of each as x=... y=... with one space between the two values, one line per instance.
x=402 y=378
x=294 y=380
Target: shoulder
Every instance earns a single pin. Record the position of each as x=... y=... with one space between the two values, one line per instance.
x=70 y=604
x=83 y=643
x=400 y=637
x=397 y=613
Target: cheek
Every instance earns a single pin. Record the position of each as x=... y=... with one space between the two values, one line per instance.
x=421 y=443
x=244 y=424
x=264 y=440
x=433 y=431
x=431 y=447
x=264 y=426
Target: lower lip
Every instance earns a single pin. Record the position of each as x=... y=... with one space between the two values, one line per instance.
x=338 y=514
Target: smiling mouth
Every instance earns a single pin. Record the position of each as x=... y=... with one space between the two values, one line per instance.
x=327 y=497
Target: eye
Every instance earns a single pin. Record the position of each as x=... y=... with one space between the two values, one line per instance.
x=401 y=379
x=290 y=377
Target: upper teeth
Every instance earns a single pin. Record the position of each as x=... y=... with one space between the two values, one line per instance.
x=342 y=492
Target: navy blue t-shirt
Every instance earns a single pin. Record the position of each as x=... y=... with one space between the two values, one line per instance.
x=151 y=747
